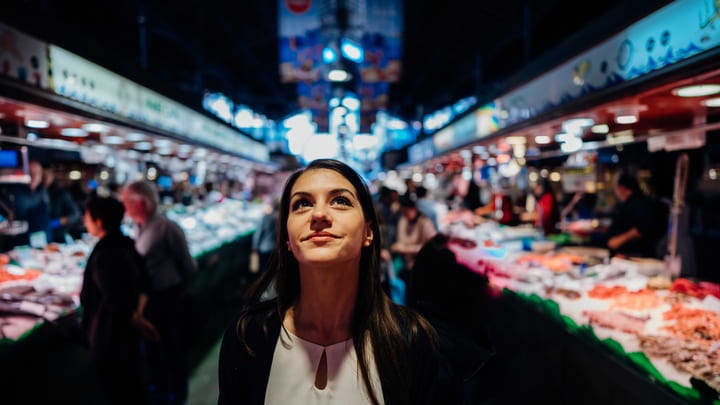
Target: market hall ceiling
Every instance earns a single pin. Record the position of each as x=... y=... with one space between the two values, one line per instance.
x=451 y=49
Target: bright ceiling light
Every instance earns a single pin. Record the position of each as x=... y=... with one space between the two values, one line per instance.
x=135 y=137
x=329 y=55
x=711 y=102
x=95 y=127
x=101 y=149
x=555 y=176
x=113 y=140
x=352 y=51
x=338 y=75
x=75 y=175
x=143 y=146
x=577 y=125
x=626 y=119
x=516 y=140
x=74 y=132
x=542 y=139
x=163 y=143
x=37 y=124
x=165 y=151
x=351 y=103
x=563 y=137
x=572 y=144
x=184 y=149
x=600 y=129
x=699 y=90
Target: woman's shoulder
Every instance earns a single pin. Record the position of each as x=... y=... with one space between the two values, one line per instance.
x=254 y=326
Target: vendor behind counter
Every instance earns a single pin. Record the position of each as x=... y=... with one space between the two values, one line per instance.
x=638 y=223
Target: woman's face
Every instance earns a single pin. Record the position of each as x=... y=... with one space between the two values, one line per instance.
x=325 y=224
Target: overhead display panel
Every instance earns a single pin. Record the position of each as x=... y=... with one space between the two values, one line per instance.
x=679 y=31
x=84 y=81
x=23 y=57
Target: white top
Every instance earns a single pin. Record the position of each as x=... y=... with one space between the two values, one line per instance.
x=295 y=364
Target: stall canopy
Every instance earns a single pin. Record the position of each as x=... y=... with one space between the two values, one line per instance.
x=671 y=39
x=51 y=69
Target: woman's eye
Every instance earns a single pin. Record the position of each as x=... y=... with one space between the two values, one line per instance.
x=300 y=204
x=342 y=200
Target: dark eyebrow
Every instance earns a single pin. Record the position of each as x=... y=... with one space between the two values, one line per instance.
x=335 y=191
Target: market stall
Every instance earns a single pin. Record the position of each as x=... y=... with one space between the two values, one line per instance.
x=627 y=308
x=41 y=285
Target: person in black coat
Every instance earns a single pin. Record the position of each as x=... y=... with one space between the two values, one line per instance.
x=112 y=304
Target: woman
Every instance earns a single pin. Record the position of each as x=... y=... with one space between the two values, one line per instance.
x=546 y=214
x=413 y=231
x=331 y=335
x=111 y=292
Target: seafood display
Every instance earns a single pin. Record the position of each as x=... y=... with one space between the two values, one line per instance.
x=676 y=323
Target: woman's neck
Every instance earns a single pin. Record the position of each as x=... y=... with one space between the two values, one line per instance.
x=324 y=310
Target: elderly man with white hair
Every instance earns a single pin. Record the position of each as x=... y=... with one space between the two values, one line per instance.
x=168 y=265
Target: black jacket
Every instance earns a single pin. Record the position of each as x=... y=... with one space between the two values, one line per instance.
x=243 y=377
x=111 y=287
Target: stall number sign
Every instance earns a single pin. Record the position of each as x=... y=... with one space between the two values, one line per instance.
x=579 y=179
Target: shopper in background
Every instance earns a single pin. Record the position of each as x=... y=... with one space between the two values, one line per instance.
x=169 y=266
x=425 y=205
x=263 y=242
x=331 y=335
x=111 y=291
x=637 y=223
x=546 y=214
x=64 y=212
x=32 y=204
x=413 y=231
x=501 y=205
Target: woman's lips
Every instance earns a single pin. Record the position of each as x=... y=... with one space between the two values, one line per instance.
x=321 y=237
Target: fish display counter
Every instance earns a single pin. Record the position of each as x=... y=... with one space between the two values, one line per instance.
x=663 y=327
x=41 y=285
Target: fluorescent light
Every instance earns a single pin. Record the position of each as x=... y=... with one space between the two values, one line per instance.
x=74 y=132
x=572 y=144
x=338 y=75
x=396 y=124
x=711 y=102
x=542 y=139
x=600 y=129
x=352 y=51
x=143 y=146
x=135 y=137
x=351 y=103
x=101 y=149
x=75 y=175
x=516 y=140
x=576 y=125
x=95 y=127
x=699 y=90
x=163 y=143
x=619 y=139
x=626 y=119
x=37 y=124
x=329 y=55
x=113 y=140
x=563 y=137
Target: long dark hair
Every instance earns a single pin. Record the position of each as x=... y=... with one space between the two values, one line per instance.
x=392 y=330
